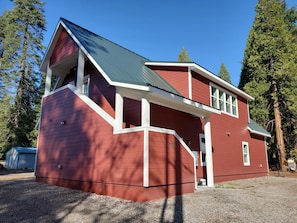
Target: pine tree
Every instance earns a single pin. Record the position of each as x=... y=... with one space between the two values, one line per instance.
x=183 y=56
x=21 y=46
x=224 y=74
x=269 y=73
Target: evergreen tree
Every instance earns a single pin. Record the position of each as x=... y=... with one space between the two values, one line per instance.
x=183 y=56
x=224 y=74
x=269 y=74
x=21 y=48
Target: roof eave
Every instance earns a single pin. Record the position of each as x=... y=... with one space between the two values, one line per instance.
x=259 y=133
x=207 y=74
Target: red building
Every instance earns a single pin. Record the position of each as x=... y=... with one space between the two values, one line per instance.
x=118 y=124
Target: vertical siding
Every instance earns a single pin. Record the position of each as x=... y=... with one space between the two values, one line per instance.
x=85 y=146
x=177 y=77
x=64 y=47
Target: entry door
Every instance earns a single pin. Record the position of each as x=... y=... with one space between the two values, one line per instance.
x=202 y=149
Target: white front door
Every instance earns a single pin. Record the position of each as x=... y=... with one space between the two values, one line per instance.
x=202 y=149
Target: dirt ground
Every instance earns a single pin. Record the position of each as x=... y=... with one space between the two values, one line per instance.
x=264 y=199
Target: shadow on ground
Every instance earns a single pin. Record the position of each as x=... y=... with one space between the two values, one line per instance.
x=29 y=201
x=14 y=171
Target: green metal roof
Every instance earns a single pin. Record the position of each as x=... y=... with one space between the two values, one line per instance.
x=257 y=129
x=118 y=63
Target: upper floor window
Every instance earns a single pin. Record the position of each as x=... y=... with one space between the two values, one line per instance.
x=223 y=101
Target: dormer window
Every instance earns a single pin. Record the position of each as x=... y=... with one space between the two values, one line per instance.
x=223 y=100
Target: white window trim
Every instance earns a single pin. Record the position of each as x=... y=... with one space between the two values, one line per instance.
x=218 y=100
x=248 y=153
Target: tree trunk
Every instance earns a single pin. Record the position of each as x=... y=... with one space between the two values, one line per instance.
x=278 y=129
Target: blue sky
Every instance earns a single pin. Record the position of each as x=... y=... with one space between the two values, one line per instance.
x=211 y=31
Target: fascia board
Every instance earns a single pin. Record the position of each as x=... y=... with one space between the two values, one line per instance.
x=131 y=86
x=259 y=133
x=172 y=64
x=202 y=71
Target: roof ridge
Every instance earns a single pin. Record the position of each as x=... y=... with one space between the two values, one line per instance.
x=63 y=19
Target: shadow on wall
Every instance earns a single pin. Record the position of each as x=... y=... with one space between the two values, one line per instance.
x=77 y=147
x=178 y=205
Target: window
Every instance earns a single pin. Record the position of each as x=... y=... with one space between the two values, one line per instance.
x=202 y=149
x=214 y=100
x=246 y=154
x=85 y=87
x=223 y=101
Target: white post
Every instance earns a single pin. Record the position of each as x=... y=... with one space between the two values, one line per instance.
x=80 y=71
x=208 y=149
x=48 y=80
x=145 y=111
x=119 y=103
x=145 y=122
x=190 y=82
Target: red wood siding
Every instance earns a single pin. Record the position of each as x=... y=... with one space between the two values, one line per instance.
x=200 y=89
x=187 y=126
x=64 y=47
x=100 y=91
x=85 y=146
x=176 y=77
x=228 y=133
x=169 y=163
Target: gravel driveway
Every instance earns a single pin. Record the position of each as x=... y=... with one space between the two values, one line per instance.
x=266 y=199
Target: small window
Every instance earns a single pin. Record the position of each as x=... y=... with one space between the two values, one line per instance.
x=228 y=103
x=246 y=154
x=85 y=87
x=202 y=149
x=222 y=99
x=214 y=98
x=234 y=107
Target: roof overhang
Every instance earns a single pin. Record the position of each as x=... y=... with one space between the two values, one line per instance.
x=255 y=128
x=205 y=73
x=62 y=26
x=169 y=100
x=259 y=133
x=180 y=103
